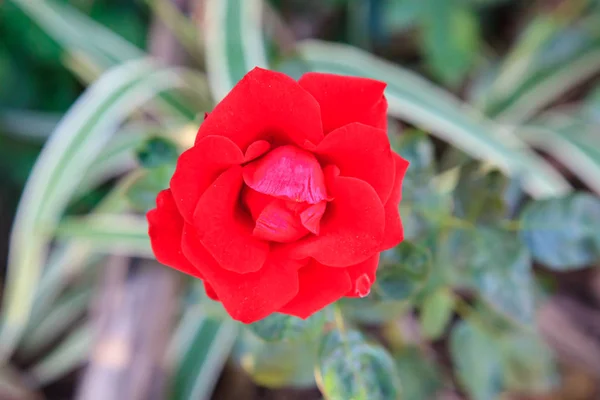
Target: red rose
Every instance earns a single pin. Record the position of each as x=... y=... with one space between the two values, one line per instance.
x=288 y=196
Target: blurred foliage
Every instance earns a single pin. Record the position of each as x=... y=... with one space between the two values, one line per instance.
x=507 y=79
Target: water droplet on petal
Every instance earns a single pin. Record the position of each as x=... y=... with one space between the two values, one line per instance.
x=363 y=285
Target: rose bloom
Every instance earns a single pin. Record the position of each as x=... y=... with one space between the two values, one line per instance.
x=287 y=197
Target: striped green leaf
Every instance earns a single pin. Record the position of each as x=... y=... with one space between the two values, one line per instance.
x=108 y=233
x=571 y=140
x=546 y=62
x=198 y=352
x=415 y=100
x=234 y=42
x=67 y=155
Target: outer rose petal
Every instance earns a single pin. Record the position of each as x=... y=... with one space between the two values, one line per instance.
x=362 y=276
x=198 y=167
x=363 y=152
x=278 y=223
x=351 y=228
x=225 y=229
x=394 y=233
x=319 y=286
x=165 y=227
x=345 y=99
x=210 y=292
x=289 y=173
x=265 y=105
x=246 y=297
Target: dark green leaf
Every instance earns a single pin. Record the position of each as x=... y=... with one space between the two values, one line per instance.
x=142 y=193
x=204 y=345
x=351 y=368
x=421 y=203
x=529 y=366
x=402 y=271
x=479 y=194
x=502 y=273
x=477 y=360
x=156 y=152
x=436 y=313
x=450 y=38
x=278 y=327
x=420 y=376
x=279 y=364
x=563 y=233
x=400 y=15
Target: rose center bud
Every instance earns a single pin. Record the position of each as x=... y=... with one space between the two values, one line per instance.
x=285 y=193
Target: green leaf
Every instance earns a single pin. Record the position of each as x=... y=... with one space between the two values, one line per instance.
x=400 y=15
x=477 y=360
x=156 y=152
x=71 y=353
x=416 y=101
x=421 y=202
x=436 y=313
x=92 y=49
x=547 y=61
x=479 y=195
x=402 y=271
x=63 y=315
x=280 y=327
x=562 y=233
x=199 y=349
x=528 y=364
x=502 y=273
x=234 y=42
x=108 y=233
x=278 y=364
x=450 y=33
x=351 y=368
x=142 y=193
x=570 y=138
x=421 y=378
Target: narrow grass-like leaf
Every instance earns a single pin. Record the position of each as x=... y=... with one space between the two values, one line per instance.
x=198 y=352
x=234 y=42
x=61 y=317
x=68 y=355
x=117 y=233
x=60 y=168
x=415 y=100
x=571 y=140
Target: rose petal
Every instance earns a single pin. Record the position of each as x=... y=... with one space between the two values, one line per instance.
x=345 y=99
x=311 y=216
x=362 y=276
x=165 y=225
x=287 y=173
x=255 y=201
x=246 y=297
x=319 y=286
x=198 y=167
x=394 y=233
x=278 y=223
x=351 y=228
x=265 y=105
x=210 y=292
x=225 y=229
x=256 y=150
x=363 y=152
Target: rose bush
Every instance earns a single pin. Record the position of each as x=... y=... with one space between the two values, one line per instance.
x=287 y=197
